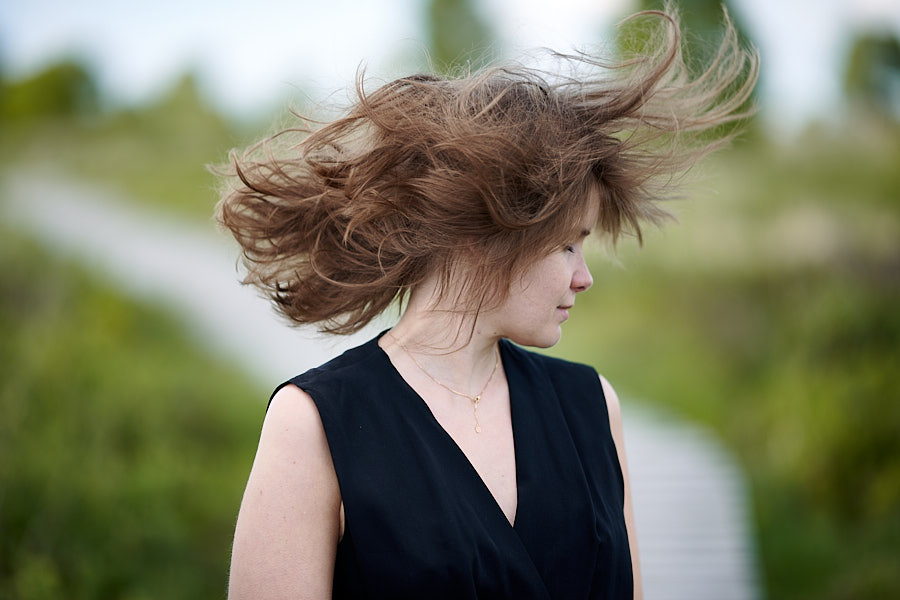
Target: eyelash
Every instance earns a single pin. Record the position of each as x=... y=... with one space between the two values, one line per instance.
x=570 y=248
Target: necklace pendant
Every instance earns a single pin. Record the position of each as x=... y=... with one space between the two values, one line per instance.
x=475 y=399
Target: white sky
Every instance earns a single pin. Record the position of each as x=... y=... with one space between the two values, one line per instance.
x=251 y=56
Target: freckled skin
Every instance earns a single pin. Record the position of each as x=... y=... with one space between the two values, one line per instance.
x=537 y=302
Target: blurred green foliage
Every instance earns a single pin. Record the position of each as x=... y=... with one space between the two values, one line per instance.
x=65 y=90
x=157 y=153
x=125 y=450
x=872 y=76
x=459 y=37
x=702 y=23
x=702 y=34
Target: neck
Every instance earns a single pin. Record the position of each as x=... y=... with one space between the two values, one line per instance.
x=450 y=345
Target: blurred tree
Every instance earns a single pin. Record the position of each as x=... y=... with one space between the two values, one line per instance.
x=63 y=89
x=872 y=77
x=156 y=152
x=153 y=153
x=182 y=112
x=702 y=21
x=457 y=35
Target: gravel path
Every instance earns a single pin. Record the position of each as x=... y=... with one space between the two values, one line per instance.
x=692 y=510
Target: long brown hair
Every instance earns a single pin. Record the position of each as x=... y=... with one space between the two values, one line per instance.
x=491 y=170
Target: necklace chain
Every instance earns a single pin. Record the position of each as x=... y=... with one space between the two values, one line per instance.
x=474 y=399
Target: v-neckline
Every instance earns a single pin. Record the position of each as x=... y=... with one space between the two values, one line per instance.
x=517 y=455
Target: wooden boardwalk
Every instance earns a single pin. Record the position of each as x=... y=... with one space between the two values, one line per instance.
x=693 y=522
x=694 y=532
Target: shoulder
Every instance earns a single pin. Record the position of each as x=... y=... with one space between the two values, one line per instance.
x=345 y=370
x=293 y=430
x=290 y=517
x=293 y=434
x=613 y=407
x=568 y=376
x=293 y=458
x=577 y=387
x=557 y=368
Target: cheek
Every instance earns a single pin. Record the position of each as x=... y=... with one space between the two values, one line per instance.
x=545 y=295
x=546 y=282
x=558 y=279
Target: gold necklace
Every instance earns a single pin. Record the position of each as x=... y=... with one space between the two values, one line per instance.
x=475 y=399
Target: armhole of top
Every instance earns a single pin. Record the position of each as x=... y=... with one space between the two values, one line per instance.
x=278 y=389
x=616 y=430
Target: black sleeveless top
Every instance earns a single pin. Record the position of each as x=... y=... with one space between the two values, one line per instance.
x=420 y=522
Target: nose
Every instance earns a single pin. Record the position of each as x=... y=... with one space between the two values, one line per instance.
x=581 y=278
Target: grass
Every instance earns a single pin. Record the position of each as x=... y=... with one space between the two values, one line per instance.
x=126 y=448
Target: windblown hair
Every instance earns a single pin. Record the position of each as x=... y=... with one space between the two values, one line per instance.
x=473 y=178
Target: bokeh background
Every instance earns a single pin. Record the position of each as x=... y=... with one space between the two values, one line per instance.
x=770 y=314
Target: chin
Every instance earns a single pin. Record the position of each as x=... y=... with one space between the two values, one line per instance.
x=538 y=339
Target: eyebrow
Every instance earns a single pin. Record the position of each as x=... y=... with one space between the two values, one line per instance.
x=585 y=233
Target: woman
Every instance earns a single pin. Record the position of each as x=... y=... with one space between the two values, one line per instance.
x=440 y=460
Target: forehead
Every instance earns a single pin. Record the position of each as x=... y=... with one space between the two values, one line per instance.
x=593 y=208
x=585 y=223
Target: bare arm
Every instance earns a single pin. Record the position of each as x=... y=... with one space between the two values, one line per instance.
x=290 y=518
x=615 y=425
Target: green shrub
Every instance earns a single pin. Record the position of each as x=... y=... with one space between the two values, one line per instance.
x=124 y=449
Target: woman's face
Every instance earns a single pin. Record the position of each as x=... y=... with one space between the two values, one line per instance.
x=539 y=301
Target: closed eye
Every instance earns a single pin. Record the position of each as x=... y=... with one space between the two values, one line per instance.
x=571 y=247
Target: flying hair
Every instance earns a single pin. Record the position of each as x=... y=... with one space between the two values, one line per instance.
x=475 y=177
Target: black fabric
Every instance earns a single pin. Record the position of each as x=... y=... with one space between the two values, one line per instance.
x=419 y=521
